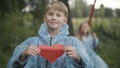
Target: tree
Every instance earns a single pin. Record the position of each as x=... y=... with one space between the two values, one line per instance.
x=108 y=12
x=14 y=27
x=117 y=12
x=101 y=11
x=80 y=9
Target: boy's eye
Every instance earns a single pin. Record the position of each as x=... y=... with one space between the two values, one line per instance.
x=58 y=15
x=50 y=14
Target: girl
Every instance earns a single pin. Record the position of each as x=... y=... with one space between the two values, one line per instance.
x=90 y=42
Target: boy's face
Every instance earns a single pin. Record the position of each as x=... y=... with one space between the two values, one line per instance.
x=55 y=19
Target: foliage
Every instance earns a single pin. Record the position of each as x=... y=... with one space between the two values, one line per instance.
x=108 y=27
x=117 y=12
x=80 y=9
x=109 y=51
x=101 y=11
x=108 y=12
x=16 y=26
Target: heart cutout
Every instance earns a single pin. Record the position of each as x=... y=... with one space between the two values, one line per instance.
x=51 y=53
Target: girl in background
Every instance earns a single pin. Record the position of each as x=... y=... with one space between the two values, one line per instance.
x=90 y=42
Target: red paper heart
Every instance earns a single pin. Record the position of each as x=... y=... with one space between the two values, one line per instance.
x=51 y=53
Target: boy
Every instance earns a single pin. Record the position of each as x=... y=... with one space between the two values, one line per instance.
x=53 y=31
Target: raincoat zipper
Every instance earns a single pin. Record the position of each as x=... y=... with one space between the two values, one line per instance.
x=50 y=45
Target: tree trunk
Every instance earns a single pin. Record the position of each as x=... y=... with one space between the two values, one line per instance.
x=69 y=17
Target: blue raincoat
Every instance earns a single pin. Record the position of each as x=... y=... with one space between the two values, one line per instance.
x=44 y=38
x=90 y=43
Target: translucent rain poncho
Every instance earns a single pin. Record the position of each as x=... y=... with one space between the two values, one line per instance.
x=44 y=38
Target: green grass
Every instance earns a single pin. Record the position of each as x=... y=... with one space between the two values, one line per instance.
x=109 y=51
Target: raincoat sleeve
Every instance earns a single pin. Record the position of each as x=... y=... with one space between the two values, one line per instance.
x=17 y=52
x=94 y=42
x=86 y=61
x=19 y=64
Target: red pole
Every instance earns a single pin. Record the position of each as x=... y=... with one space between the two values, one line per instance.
x=91 y=14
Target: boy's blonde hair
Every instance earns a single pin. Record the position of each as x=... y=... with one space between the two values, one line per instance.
x=57 y=5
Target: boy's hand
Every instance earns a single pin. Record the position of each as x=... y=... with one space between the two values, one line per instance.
x=31 y=50
x=72 y=53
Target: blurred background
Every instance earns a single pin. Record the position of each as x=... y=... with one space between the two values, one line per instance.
x=20 y=19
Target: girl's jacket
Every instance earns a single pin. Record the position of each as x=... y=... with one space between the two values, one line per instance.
x=90 y=44
x=44 y=38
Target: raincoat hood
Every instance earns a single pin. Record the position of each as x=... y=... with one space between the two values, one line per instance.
x=43 y=31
